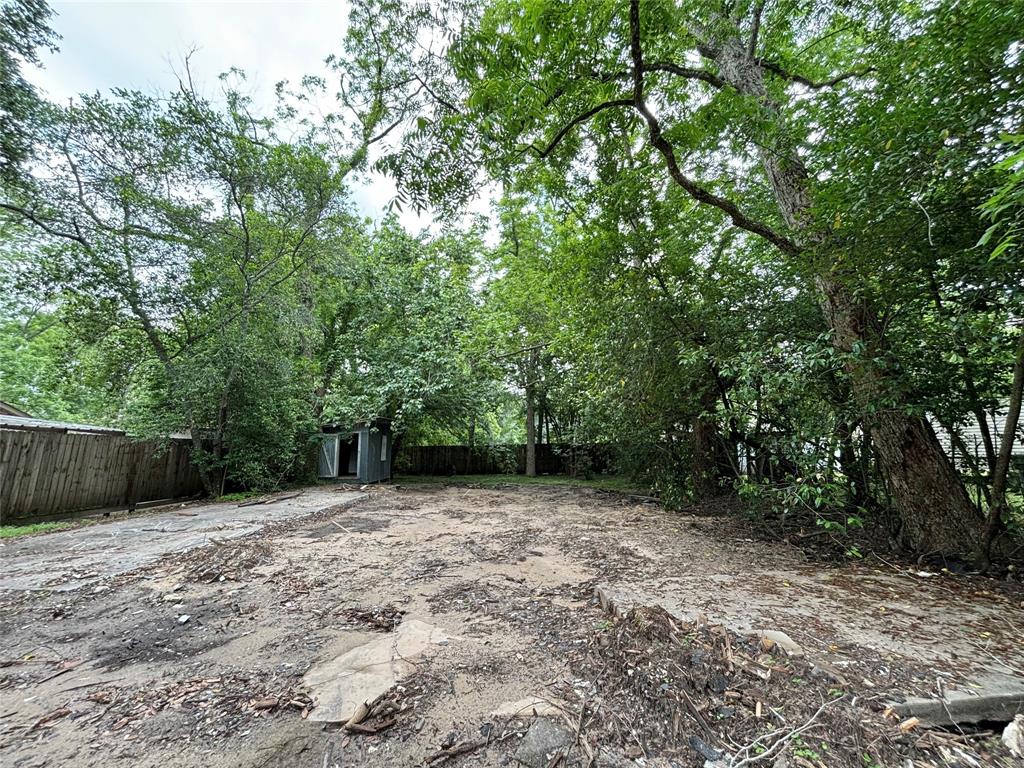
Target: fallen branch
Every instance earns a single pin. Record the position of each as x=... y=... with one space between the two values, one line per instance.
x=269 y=500
x=462 y=748
x=369 y=730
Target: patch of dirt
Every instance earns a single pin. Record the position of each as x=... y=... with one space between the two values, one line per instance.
x=350 y=525
x=107 y=674
x=170 y=638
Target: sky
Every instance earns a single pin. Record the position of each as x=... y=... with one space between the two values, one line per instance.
x=141 y=44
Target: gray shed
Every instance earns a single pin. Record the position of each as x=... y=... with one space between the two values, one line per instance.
x=362 y=453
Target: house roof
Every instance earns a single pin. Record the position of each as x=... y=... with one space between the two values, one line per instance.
x=6 y=409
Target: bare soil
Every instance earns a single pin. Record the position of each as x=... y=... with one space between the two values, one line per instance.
x=627 y=624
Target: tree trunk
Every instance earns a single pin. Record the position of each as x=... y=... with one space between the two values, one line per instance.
x=197 y=451
x=531 y=432
x=935 y=511
x=1002 y=471
x=704 y=447
x=850 y=465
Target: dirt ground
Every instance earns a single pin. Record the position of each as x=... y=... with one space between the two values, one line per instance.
x=630 y=631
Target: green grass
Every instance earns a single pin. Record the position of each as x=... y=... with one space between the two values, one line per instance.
x=602 y=482
x=240 y=496
x=12 y=531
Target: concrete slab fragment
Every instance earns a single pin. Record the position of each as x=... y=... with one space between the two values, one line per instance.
x=340 y=685
x=69 y=560
x=993 y=698
x=544 y=738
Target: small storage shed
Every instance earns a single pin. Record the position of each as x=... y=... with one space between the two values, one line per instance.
x=362 y=453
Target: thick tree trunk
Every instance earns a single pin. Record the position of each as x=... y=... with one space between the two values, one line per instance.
x=704 y=444
x=935 y=511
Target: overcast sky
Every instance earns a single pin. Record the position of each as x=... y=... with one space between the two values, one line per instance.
x=140 y=44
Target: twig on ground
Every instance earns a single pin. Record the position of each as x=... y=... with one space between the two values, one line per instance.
x=783 y=740
x=462 y=748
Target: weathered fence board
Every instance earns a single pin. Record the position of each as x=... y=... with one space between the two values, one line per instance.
x=552 y=459
x=47 y=474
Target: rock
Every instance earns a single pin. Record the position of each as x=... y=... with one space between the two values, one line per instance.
x=183 y=618
x=1013 y=736
x=542 y=740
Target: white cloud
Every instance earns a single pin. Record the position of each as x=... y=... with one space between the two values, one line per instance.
x=140 y=45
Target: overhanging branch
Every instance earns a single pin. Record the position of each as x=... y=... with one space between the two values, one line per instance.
x=815 y=85
x=542 y=154
x=658 y=140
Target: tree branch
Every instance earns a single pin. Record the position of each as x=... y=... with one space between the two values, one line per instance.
x=814 y=85
x=691 y=73
x=27 y=214
x=658 y=140
x=542 y=154
x=755 y=29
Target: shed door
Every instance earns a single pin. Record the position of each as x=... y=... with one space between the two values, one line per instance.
x=329 y=456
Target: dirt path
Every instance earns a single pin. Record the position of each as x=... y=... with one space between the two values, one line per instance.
x=464 y=607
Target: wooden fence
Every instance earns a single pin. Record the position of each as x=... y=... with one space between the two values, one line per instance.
x=552 y=459
x=47 y=473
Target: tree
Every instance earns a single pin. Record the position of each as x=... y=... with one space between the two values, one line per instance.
x=177 y=221
x=743 y=102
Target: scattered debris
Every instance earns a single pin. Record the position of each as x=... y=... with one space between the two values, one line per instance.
x=380 y=618
x=513 y=572
x=269 y=499
x=49 y=718
x=230 y=561
x=532 y=706
x=463 y=748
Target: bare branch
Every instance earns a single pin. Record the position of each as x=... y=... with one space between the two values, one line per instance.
x=688 y=72
x=25 y=213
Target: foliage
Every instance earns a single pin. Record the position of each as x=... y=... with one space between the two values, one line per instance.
x=24 y=31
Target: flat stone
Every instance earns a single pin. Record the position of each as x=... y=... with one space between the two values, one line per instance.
x=542 y=740
x=996 y=698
